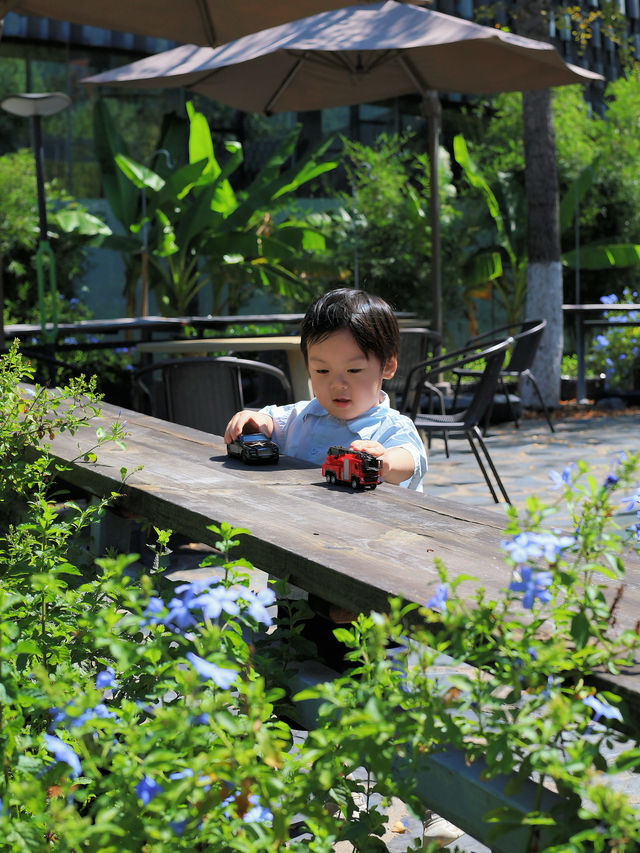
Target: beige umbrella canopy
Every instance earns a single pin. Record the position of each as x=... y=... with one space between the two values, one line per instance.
x=204 y=22
x=355 y=55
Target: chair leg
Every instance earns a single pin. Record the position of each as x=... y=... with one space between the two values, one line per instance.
x=443 y=411
x=478 y=434
x=455 y=394
x=530 y=376
x=487 y=417
x=505 y=391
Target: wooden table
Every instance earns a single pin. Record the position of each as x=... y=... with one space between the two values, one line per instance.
x=300 y=382
x=354 y=549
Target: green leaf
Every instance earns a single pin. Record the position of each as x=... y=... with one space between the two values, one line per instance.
x=580 y=630
x=79 y=222
x=595 y=257
x=347 y=638
x=482 y=268
x=201 y=148
x=122 y=196
x=575 y=194
x=140 y=175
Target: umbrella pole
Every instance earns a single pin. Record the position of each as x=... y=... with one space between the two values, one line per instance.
x=431 y=110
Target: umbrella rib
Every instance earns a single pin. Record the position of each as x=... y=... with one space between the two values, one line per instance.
x=285 y=83
x=379 y=57
x=207 y=23
x=413 y=74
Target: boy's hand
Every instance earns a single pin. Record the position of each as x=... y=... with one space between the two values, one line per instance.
x=247 y=422
x=397 y=462
x=373 y=447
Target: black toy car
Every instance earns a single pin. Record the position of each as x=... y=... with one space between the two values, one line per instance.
x=254 y=448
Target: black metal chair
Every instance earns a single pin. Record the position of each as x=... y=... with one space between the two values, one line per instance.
x=416 y=345
x=523 y=352
x=203 y=393
x=466 y=421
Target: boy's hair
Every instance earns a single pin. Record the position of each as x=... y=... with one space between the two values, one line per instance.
x=369 y=319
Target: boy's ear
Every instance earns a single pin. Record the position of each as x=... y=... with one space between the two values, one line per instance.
x=390 y=367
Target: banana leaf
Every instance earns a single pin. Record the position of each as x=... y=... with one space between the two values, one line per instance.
x=201 y=147
x=603 y=257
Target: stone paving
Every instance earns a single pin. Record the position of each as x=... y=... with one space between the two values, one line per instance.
x=525 y=456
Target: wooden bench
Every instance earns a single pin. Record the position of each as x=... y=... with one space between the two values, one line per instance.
x=352 y=549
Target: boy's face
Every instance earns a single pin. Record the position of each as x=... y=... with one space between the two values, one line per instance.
x=345 y=381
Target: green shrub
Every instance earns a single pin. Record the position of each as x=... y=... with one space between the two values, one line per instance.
x=615 y=352
x=19 y=234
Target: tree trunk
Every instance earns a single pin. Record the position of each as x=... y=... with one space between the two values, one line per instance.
x=544 y=270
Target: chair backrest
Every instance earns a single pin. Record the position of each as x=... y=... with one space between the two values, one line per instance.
x=203 y=393
x=526 y=336
x=484 y=389
x=416 y=344
x=525 y=346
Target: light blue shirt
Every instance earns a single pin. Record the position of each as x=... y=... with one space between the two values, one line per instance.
x=306 y=430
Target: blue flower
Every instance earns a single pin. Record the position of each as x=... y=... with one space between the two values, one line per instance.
x=523 y=547
x=223 y=678
x=179 y=616
x=633 y=500
x=609 y=300
x=188 y=591
x=178 y=826
x=201 y=720
x=181 y=774
x=534 y=585
x=529 y=546
x=551 y=683
x=106 y=678
x=61 y=717
x=258 y=603
x=154 y=606
x=217 y=599
x=147 y=788
x=257 y=813
x=563 y=479
x=62 y=752
x=438 y=601
x=610 y=481
x=601 y=709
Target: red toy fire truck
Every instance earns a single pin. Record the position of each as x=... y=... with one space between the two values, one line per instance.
x=357 y=468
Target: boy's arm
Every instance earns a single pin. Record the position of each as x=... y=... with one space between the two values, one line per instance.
x=397 y=463
x=255 y=421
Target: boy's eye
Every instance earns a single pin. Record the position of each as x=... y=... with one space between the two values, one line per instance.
x=355 y=370
x=321 y=370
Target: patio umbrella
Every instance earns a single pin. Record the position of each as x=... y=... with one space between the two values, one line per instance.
x=205 y=22
x=355 y=55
